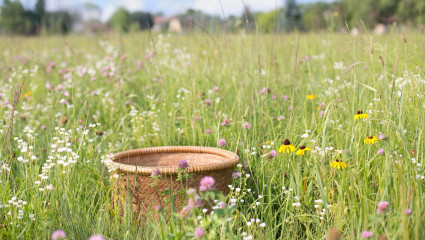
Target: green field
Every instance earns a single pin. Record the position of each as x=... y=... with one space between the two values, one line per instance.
x=84 y=97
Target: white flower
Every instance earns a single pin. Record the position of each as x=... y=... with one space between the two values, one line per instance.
x=297 y=204
x=262 y=225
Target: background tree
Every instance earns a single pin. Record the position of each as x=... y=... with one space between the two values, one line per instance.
x=144 y=20
x=121 y=20
x=40 y=12
x=293 y=16
x=12 y=18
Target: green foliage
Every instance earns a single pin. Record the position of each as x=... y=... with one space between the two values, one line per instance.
x=120 y=20
x=12 y=17
x=143 y=20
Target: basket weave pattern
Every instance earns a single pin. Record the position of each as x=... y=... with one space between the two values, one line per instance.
x=135 y=168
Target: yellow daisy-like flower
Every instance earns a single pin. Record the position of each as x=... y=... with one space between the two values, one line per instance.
x=361 y=115
x=371 y=140
x=302 y=150
x=287 y=147
x=27 y=94
x=311 y=96
x=338 y=164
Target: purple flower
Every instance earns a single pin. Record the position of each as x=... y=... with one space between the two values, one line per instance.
x=262 y=91
x=307 y=58
x=382 y=207
x=196 y=201
x=185 y=211
x=207 y=102
x=216 y=89
x=380 y=151
x=183 y=164
x=367 y=234
x=408 y=211
x=286 y=98
x=191 y=191
x=290 y=108
x=246 y=125
x=225 y=122
x=156 y=172
x=199 y=232
x=157 y=208
x=58 y=234
x=382 y=136
x=273 y=153
x=222 y=142
x=280 y=118
x=207 y=183
x=207 y=131
x=274 y=96
x=322 y=114
x=236 y=175
x=97 y=237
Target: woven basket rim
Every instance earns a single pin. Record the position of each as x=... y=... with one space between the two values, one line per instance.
x=231 y=159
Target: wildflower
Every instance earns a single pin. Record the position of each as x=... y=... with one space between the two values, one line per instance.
x=156 y=172
x=287 y=147
x=361 y=115
x=311 y=96
x=263 y=91
x=222 y=142
x=246 y=125
x=185 y=211
x=236 y=175
x=371 y=140
x=280 y=118
x=272 y=153
x=207 y=131
x=322 y=114
x=207 y=102
x=58 y=234
x=286 y=98
x=226 y=122
x=196 y=201
x=207 y=183
x=382 y=207
x=302 y=150
x=382 y=136
x=157 y=208
x=97 y=237
x=183 y=164
x=338 y=164
x=408 y=211
x=199 y=232
x=263 y=225
x=367 y=234
x=380 y=151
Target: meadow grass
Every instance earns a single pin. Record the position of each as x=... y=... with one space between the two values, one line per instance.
x=86 y=97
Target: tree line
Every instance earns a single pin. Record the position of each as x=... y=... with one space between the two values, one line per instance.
x=333 y=16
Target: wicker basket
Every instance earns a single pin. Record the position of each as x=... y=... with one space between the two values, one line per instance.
x=138 y=165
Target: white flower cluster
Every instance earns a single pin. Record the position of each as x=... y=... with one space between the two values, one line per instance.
x=15 y=205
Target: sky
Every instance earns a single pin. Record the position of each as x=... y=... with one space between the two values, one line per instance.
x=168 y=7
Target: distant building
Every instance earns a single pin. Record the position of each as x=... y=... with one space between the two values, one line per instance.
x=171 y=24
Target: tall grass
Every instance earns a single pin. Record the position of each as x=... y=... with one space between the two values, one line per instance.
x=86 y=97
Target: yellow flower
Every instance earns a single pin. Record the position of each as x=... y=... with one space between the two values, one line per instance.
x=27 y=94
x=287 y=147
x=371 y=140
x=311 y=96
x=338 y=164
x=302 y=150
x=361 y=115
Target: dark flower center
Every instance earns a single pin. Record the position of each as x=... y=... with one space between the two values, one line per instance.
x=370 y=137
x=286 y=142
x=359 y=112
x=337 y=160
x=302 y=147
